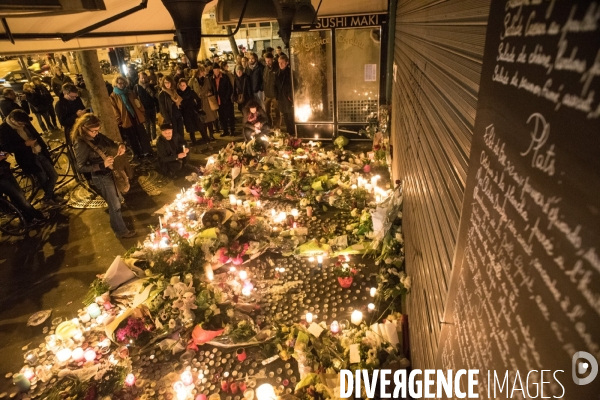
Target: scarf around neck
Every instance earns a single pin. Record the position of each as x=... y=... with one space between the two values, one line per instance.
x=173 y=94
x=123 y=95
x=36 y=148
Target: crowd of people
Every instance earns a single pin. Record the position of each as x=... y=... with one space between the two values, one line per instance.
x=199 y=101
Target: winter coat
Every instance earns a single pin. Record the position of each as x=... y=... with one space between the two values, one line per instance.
x=66 y=111
x=7 y=105
x=242 y=86
x=257 y=77
x=58 y=82
x=37 y=102
x=190 y=106
x=224 y=90
x=249 y=126
x=147 y=96
x=167 y=150
x=205 y=87
x=122 y=114
x=269 y=80
x=12 y=142
x=87 y=158
x=168 y=109
x=45 y=93
x=285 y=96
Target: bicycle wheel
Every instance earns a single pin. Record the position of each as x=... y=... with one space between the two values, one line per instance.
x=60 y=159
x=27 y=184
x=11 y=220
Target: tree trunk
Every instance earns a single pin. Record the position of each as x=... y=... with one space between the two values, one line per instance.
x=94 y=82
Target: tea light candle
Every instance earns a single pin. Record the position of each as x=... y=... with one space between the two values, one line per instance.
x=84 y=316
x=273 y=212
x=130 y=380
x=265 y=392
x=187 y=378
x=77 y=354
x=294 y=212
x=311 y=259
x=320 y=261
x=238 y=203
x=335 y=327
x=309 y=318
x=371 y=307
x=63 y=355
x=29 y=374
x=243 y=275
x=31 y=357
x=89 y=355
x=232 y=200
x=258 y=204
x=373 y=291
x=356 y=317
x=93 y=310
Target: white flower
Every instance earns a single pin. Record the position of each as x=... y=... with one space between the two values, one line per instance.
x=230 y=313
x=319 y=198
x=339 y=192
x=354 y=212
x=235 y=157
x=215 y=309
x=303 y=202
x=408 y=282
x=388 y=260
x=355 y=232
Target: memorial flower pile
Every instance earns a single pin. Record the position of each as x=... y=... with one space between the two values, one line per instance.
x=199 y=280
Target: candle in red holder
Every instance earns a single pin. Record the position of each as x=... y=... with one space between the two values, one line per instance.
x=241 y=354
x=234 y=387
x=224 y=386
x=242 y=386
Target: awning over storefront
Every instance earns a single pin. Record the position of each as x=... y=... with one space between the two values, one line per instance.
x=41 y=34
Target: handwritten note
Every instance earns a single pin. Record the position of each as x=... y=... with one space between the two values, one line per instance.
x=525 y=291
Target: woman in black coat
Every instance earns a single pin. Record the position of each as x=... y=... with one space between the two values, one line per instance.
x=242 y=90
x=39 y=106
x=191 y=108
x=255 y=120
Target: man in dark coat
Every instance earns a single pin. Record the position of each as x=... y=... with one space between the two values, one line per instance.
x=68 y=108
x=255 y=70
x=19 y=137
x=269 y=82
x=58 y=81
x=224 y=97
x=285 y=96
x=149 y=98
x=171 y=151
x=9 y=103
x=41 y=89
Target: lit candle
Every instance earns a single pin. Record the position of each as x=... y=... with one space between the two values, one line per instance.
x=294 y=212
x=31 y=357
x=243 y=275
x=356 y=317
x=320 y=261
x=130 y=380
x=273 y=212
x=335 y=327
x=309 y=317
x=63 y=355
x=93 y=310
x=373 y=291
x=29 y=374
x=353 y=187
x=89 y=355
x=210 y=275
x=294 y=225
x=311 y=259
x=258 y=204
x=187 y=378
x=232 y=200
x=160 y=223
x=77 y=354
x=371 y=307
x=238 y=203
x=265 y=392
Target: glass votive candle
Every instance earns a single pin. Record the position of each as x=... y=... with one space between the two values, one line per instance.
x=31 y=357
x=84 y=316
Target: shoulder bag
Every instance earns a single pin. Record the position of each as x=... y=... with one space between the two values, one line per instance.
x=119 y=175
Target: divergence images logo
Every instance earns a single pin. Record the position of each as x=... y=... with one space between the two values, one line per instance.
x=582 y=367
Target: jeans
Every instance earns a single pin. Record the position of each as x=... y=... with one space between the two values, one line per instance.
x=10 y=188
x=271 y=106
x=108 y=190
x=227 y=117
x=46 y=176
x=150 y=123
x=46 y=117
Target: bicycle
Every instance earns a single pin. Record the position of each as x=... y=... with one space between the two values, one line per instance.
x=11 y=220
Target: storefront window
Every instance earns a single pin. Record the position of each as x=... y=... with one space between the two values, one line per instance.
x=313 y=76
x=357 y=53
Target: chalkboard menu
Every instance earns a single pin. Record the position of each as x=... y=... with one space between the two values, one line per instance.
x=525 y=288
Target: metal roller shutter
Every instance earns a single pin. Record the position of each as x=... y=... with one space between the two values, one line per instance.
x=437 y=66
